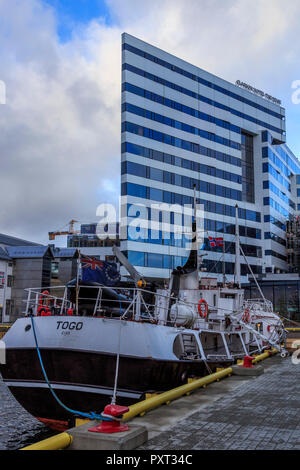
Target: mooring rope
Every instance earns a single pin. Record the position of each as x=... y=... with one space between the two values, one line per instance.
x=90 y=415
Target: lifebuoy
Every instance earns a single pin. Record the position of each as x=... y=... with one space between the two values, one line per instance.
x=246 y=316
x=202 y=308
x=43 y=312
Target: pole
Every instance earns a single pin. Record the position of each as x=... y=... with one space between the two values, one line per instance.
x=237 y=270
x=194 y=227
x=251 y=272
x=224 y=275
x=77 y=281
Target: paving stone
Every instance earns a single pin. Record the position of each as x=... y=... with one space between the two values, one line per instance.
x=261 y=414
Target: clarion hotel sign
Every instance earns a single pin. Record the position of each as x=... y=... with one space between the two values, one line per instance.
x=256 y=91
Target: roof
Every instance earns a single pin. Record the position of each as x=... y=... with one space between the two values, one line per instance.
x=4 y=255
x=65 y=252
x=28 y=251
x=13 y=241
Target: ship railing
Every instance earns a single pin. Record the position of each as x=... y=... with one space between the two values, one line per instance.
x=126 y=303
x=140 y=304
x=130 y=303
x=262 y=304
x=37 y=297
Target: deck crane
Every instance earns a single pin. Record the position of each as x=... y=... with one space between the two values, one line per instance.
x=71 y=231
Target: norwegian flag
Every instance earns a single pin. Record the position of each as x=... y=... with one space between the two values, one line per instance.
x=216 y=242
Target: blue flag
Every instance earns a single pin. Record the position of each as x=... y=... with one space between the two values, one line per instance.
x=94 y=270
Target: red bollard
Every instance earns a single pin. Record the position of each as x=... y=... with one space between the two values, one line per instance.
x=115 y=413
x=248 y=362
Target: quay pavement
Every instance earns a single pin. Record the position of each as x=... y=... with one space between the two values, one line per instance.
x=260 y=413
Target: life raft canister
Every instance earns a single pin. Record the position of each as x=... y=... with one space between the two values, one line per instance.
x=202 y=308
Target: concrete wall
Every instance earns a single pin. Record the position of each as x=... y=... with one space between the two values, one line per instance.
x=5 y=292
x=28 y=273
x=67 y=270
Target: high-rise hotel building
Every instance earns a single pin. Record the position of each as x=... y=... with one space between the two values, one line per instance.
x=183 y=127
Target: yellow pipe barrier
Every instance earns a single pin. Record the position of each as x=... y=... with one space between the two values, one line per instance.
x=167 y=397
x=61 y=441
x=142 y=407
x=261 y=357
x=292 y=329
x=5 y=326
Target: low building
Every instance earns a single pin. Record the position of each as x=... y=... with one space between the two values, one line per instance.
x=90 y=244
x=283 y=290
x=5 y=286
x=7 y=240
x=64 y=265
x=31 y=268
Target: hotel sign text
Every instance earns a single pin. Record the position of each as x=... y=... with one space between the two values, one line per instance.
x=257 y=92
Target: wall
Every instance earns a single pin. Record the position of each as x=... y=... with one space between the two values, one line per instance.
x=5 y=292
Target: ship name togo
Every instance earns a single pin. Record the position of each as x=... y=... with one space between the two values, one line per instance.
x=66 y=325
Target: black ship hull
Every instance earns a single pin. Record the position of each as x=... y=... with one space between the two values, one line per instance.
x=84 y=381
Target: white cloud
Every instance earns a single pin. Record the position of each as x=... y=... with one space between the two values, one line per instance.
x=60 y=128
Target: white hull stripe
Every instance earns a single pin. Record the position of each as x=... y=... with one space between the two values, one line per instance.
x=74 y=388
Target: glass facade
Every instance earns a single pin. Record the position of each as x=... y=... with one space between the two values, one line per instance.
x=248 y=168
x=130 y=108
x=199 y=79
x=182 y=128
x=285 y=296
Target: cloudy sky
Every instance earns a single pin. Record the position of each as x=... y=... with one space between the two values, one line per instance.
x=60 y=61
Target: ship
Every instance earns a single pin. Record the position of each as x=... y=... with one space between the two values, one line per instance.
x=99 y=342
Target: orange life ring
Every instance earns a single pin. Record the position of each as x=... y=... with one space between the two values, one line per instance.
x=203 y=313
x=70 y=312
x=43 y=311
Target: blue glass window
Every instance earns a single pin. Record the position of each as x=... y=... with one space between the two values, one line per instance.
x=178 y=125
x=177 y=142
x=204 y=82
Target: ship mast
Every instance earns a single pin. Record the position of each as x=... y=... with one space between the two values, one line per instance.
x=237 y=270
x=194 y=228
x=223 y=264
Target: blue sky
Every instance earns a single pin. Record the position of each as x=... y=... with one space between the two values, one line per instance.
x=73 y=13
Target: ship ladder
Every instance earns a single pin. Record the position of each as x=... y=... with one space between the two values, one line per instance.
x=189 y=344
